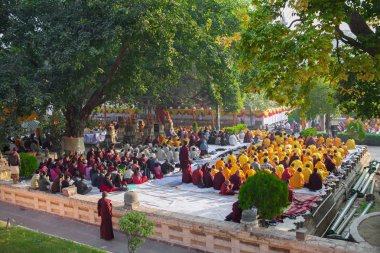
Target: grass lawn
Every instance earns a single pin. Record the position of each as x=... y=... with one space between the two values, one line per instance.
x=20 y=240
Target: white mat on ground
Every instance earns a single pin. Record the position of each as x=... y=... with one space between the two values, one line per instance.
x=185 y=198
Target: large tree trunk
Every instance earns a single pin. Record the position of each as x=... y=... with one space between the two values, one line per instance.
x=217 y=117
x=328 y=124
x=75 y=124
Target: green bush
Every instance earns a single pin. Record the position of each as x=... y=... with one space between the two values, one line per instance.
x=356 y=131
x=309 y=132
x=235 y=129
x=29 y=164
x=266 y=192
x=195 y=126
x=370 y=139
x=136 y=227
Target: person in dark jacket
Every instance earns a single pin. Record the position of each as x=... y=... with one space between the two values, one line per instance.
x=43 y=182
x=82 y=187
x=166 y=167
x=57 y=184
x=66 y=181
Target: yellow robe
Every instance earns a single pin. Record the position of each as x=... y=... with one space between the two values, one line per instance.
x=231 y=158
x=250 y=172
x=350 y=143
x=306 y=173
x=279 y=170
x=226 y=172
x=297 y=181
x=243 y=159
x=219 y=164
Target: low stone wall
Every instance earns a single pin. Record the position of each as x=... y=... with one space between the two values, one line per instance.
x=185 y=230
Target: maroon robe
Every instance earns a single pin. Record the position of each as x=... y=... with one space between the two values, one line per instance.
x=184 y=159
x=235 y=216
x=236 y=181
x=315 y=182
x=329 y=163
x=286 y=175
x=208 y=179
x=226 y=190
x=105 y=212
x=290 y=194
x=219 y=179
x=197 y=176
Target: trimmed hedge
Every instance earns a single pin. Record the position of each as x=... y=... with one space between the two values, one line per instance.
x=309 y=132
x=370 y=139
x=235 y=129
x=29 y=164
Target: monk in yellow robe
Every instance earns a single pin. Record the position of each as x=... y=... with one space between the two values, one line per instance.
x=243 y=159
x=232 y=158
x=279 y=170
x=350 y=143
x=226 y=172
x=306 y=173
x=219 y=164
x=250 y=172
x=297 y=181
x=337 y=142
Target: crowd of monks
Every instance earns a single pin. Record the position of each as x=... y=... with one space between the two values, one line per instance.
x=298 y=161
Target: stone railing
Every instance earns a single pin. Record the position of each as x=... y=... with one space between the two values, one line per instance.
x=185 y=230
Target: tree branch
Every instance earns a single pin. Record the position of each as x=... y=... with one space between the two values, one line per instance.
x=97 y=97
x=296 y=20
x=348 y=40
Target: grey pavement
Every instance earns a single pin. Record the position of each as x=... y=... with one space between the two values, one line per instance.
x=77 y=231
x=375 y=152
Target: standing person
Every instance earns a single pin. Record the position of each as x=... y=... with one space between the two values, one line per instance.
x=185 y=165
x=105 y=212
x=14 y=163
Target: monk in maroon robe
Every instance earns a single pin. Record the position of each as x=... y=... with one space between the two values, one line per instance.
x=185 y=165
x=197 y=176
x=315 y=181
x=329 y=163
x=219 y=179
x=208 y=179
x=235 y=216
x=236 y=180
x=105 y=212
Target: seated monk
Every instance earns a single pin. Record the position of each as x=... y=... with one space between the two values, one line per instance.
x=214 y=170
x=197 y=175
x=297 y=181
x=208 y=179
x=279 y=170
x=306 y=173
x=250 y=172
x=226 y=188
x=219 y=179
x=350 y=143
x=315 y=181
x=226 y=172
x=235 y=216
x=329 y=163
x=286 y=175
x=236 y=180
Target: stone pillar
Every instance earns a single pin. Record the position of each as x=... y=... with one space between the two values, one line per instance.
x=131 y=200
x=248 y=218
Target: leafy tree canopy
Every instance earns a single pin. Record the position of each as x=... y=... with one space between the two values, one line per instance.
x=75 y=55
x=287 y=55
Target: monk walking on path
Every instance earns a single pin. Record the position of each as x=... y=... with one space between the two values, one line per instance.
x=105 y=212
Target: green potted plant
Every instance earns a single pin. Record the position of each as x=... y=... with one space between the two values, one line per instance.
x=266 y=192
x=136 y=227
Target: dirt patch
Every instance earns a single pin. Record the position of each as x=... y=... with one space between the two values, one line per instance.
x=369 y=229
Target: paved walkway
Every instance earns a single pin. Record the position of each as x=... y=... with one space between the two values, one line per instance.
x=76 y=231
x=375 y=152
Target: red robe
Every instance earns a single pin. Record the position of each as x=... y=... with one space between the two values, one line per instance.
x=105 y=212
x=219 y=179
x=286 y=175
x=184 y=159
x=197 y=176
x=208 y=179
x=236 y=181
x=226 y=190
x=235 y=216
